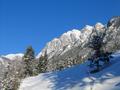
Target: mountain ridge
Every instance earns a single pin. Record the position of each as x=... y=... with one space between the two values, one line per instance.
x=72 y=36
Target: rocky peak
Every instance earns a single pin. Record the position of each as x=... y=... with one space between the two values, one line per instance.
x=99 y=26
x=114 y=22
x=67 y=41
x=57 y=45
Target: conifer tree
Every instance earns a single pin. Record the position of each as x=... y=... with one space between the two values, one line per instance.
x=42 y=65
x=96 y=43
x=28 y=59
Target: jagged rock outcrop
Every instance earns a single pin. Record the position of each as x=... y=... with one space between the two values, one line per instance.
x=112 y=37
x=68 y=40
x=72 y=47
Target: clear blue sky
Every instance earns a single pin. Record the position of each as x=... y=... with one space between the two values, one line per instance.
x=35 y=22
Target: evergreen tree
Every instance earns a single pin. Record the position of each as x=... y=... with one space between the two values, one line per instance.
x=96 y=44
x=42 y=65
x=28 y=59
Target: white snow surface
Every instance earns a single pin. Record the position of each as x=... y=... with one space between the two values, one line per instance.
x=13 y=56
x=77 y=78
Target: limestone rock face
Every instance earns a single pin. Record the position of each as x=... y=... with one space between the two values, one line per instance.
x=69 y=47
x=69 y=40
x=72 y=46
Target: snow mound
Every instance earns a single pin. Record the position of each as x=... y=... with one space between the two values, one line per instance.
x=77 y=78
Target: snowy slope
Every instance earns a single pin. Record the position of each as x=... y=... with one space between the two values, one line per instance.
x=77 y=78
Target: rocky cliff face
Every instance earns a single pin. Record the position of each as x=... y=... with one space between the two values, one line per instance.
x=69 y=40
x=112 y=37
x=71 y=47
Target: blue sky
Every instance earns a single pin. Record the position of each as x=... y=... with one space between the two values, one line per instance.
x=35 y=22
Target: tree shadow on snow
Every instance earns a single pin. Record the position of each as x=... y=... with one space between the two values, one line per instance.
x=69 y=78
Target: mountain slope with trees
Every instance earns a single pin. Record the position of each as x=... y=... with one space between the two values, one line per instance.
x=77 y=78
x=71 y=48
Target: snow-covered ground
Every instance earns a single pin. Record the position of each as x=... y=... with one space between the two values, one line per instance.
x=77 y=78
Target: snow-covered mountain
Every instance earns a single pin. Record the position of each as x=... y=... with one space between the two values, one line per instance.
x=17 y=56
x=77 y=78
x=72 y=47
x=69 y=40
x=69 y=47
x=5 y=60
